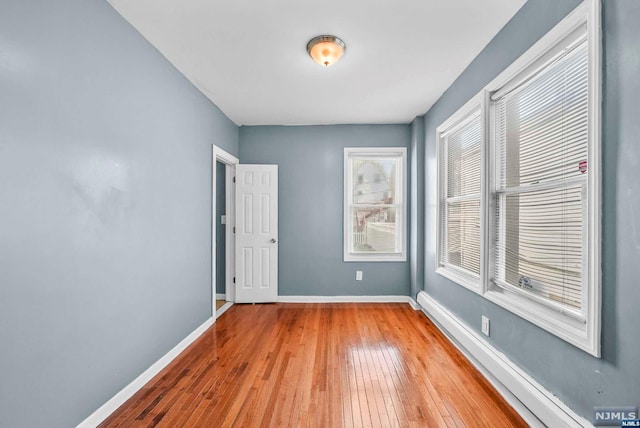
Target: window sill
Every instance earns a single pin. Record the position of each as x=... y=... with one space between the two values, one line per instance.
x=461 y=278
x=350 y=257
x=563 y=326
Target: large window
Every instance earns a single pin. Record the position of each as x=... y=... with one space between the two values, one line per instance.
x=460 y=172
x=541 y=134
x=540 y=241
x=374 y=207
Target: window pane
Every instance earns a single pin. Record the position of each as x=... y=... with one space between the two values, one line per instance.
x=542 y=126
x=463 y=235
x=374 y=230
x=540 y=243
x=374 y=181
x=463 y=160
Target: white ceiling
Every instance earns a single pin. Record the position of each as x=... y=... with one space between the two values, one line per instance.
x=249 y=56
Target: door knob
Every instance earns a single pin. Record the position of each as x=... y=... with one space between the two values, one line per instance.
x=274 y=240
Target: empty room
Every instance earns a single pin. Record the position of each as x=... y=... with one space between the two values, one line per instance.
x=412 y=213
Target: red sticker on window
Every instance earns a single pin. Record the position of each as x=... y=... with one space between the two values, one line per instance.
x=582 y=166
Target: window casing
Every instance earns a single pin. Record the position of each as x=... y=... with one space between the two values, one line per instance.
x=539 y=215
x=375 y=204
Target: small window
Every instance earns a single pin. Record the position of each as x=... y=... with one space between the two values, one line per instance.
x=375 y=207
x=460 y=178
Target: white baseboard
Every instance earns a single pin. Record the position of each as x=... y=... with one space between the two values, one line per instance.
x=221 y=296
x=414 y=305
x=344 y=299
x=537 y=406
x=223 y=309
x=97 y=417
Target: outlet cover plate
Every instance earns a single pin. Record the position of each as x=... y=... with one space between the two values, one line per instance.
x=485 y=325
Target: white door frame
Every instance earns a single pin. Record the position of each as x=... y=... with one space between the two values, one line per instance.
x=230 y=162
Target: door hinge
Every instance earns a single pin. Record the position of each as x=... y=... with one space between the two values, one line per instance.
x=234 y=179
x=234 y=229
x=234 y=279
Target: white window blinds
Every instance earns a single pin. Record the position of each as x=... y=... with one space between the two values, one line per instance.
x=518 y=212
x=460 y=216
x=540 y=129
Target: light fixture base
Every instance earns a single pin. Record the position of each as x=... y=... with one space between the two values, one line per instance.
x=326 y=50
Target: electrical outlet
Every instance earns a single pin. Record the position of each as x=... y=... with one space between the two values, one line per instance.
x=485 y=325
x=223 y=219
x=358 y=275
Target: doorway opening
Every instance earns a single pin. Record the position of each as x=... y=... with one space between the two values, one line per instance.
x=222 y=240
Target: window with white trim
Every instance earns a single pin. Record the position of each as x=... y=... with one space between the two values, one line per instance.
x=375 y=204
x=540 y=136
x=460 y=171
x=541 y=240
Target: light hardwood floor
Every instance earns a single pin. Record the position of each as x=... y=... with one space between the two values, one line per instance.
x=318 y=365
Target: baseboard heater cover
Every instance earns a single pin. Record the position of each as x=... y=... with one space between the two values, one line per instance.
x=532 y=401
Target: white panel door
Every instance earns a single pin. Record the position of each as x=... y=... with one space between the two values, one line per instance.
x=256 y=233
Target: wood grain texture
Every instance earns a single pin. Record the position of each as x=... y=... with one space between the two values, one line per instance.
x=318 y=365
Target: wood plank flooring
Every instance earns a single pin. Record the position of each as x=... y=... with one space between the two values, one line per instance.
x=318 y=365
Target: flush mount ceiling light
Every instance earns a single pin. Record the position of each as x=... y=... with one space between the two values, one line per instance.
x=326 y=50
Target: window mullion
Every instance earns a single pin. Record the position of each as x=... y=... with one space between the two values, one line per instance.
x=471 y=197
x=542 y=186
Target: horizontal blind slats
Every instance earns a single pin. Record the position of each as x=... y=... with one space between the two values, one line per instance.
x=464 y=160
x=541 y=132
x=542 y=128
x=460 y=213
x=540 y=242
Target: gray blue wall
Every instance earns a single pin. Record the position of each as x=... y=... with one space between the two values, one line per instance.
x=105 y=200
x=310 y=166
x=575 y=377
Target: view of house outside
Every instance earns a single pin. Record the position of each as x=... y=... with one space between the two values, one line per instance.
x=374 y=213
